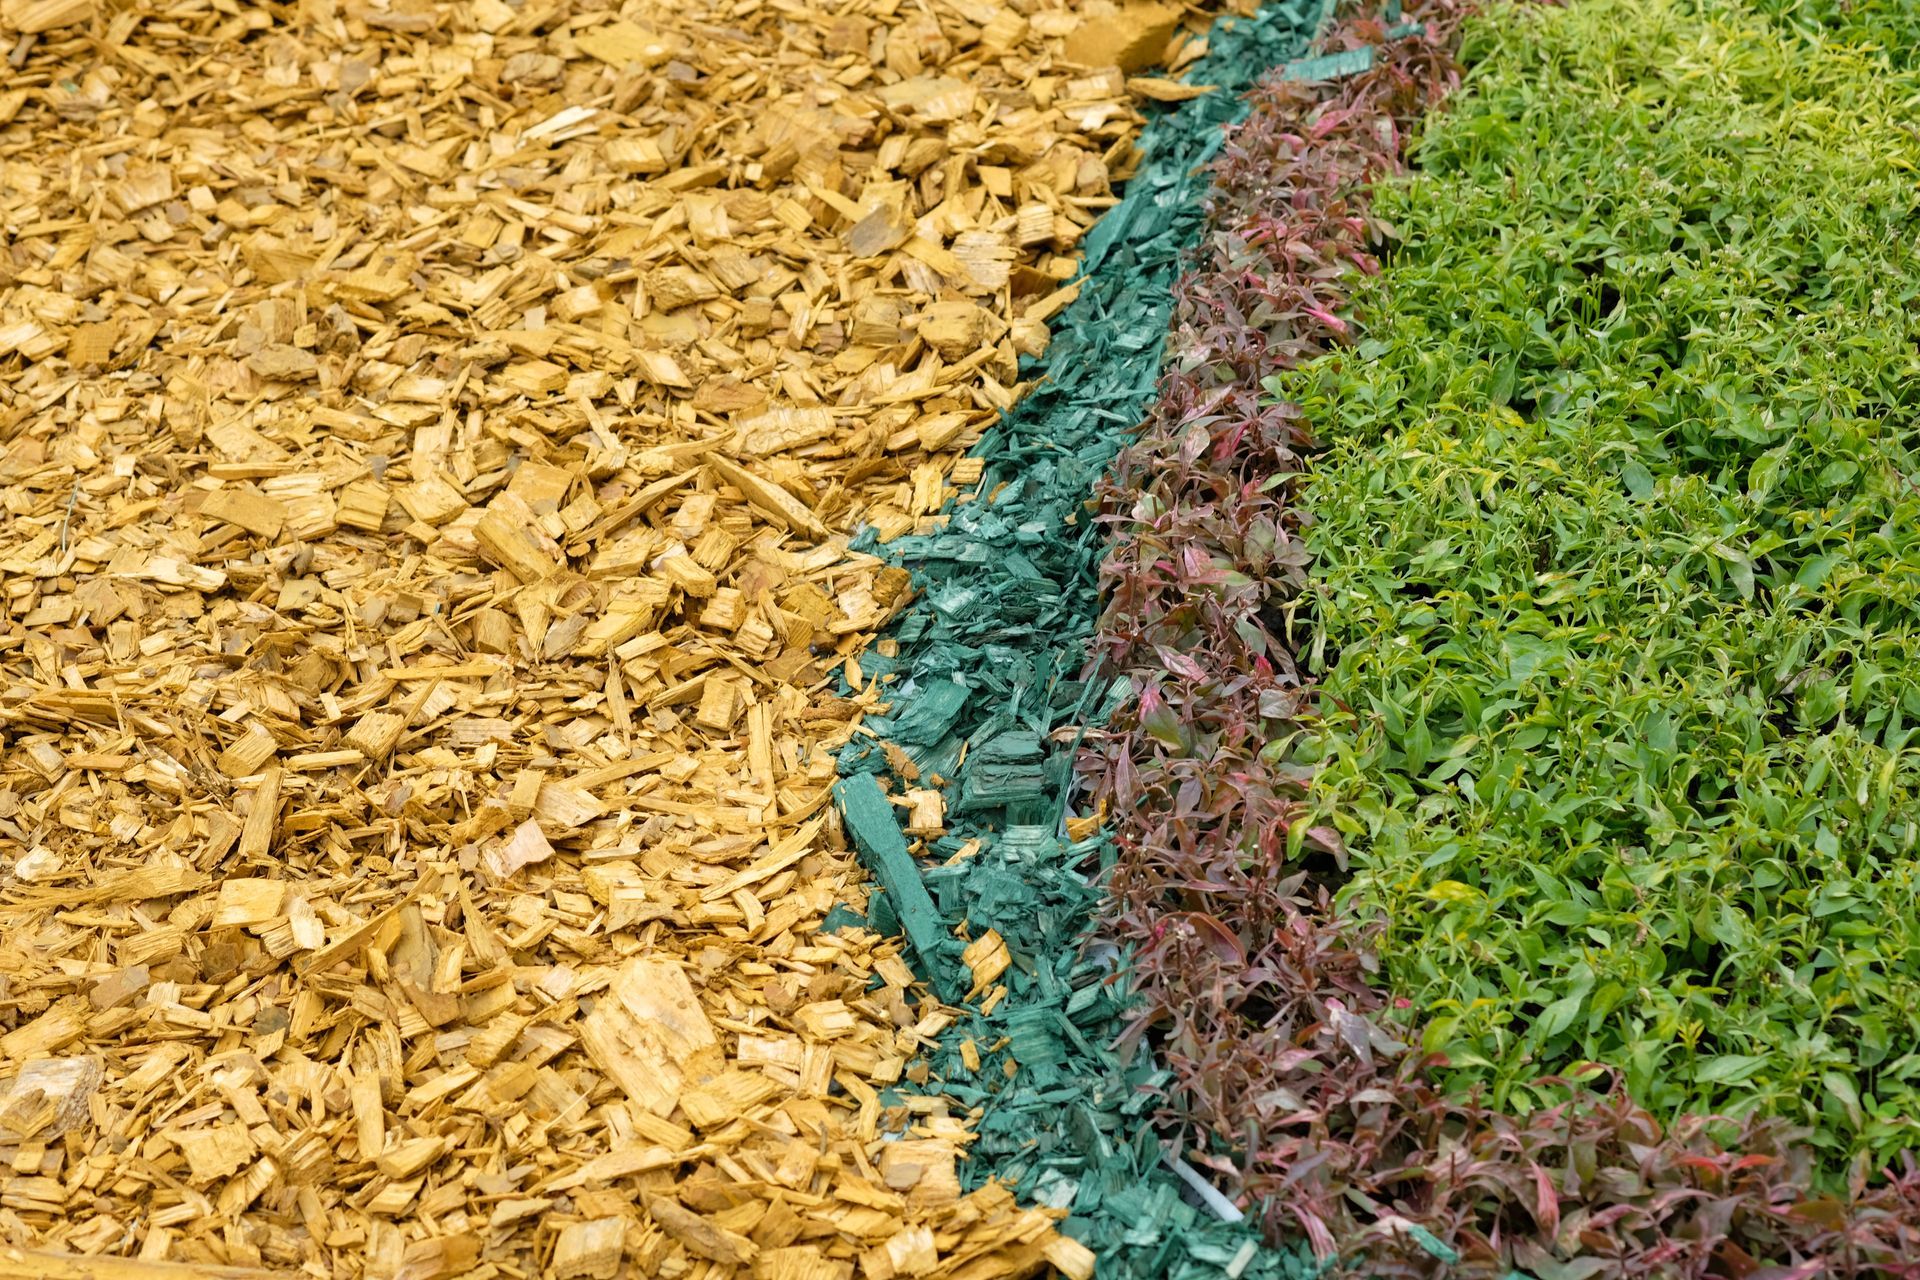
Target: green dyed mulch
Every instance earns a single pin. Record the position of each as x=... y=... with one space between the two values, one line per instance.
x=990 y=658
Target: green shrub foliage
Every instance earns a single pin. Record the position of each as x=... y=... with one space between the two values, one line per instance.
x=1617 y=542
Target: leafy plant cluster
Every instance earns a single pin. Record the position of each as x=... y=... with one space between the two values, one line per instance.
x=1618 y=561
x=1889 y=28
x=1295 y=1080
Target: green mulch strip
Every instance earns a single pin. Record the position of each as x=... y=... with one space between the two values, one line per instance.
x=990 y=658
x=1618 y=557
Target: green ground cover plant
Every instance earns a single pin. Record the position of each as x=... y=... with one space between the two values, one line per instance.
x=1617 y=552
x=1888 y=27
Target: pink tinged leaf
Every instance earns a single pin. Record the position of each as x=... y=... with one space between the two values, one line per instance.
x=1163 y=726
x=1546 y=1209
x=1327 y=318
x=1317 y=1234
x=1217 y=938
x=1181 y=665
x=1194 y=442
x=1289 y=1059
x=1150 y=700
x=1229 y=441
x=1326 y=839
x=1198 y=565
x=1351 y=1031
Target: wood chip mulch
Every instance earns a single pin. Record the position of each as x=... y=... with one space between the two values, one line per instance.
x=430 y=439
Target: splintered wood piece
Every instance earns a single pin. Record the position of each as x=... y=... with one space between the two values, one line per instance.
x=526 y=846
x=769 y=498
x=908 y=1252
x=31 y=17
x=1132 y=37
x=719 y=704
x=724 y=1098
x=701 y=1236
x=248 y=753
x=409 y=1158
x=590 y=1248
x=623 y=43
x=987 y=958
x=438 y=1257
x=1161 y=90
x=246 y=903
x=216 y=1153
x=37 y=1264
x=48 y=1097
x=376 y=734
x=651 y=1034
x=263 y=814
x=251 y=510
x=927 y=815
x=1069 y=1257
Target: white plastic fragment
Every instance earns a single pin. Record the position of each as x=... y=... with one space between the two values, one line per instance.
x=1223 y=1208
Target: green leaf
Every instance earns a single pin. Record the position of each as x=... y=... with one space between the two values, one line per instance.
x=1730 y=1068
x=1558 y=1016
x=1841 y=1089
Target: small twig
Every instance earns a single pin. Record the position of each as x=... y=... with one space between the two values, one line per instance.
x=73 y=495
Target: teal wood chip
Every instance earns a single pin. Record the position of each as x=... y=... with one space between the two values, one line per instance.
x=876 y=834
x=842 y=916
x=1331 y=66
x=1348 y=62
